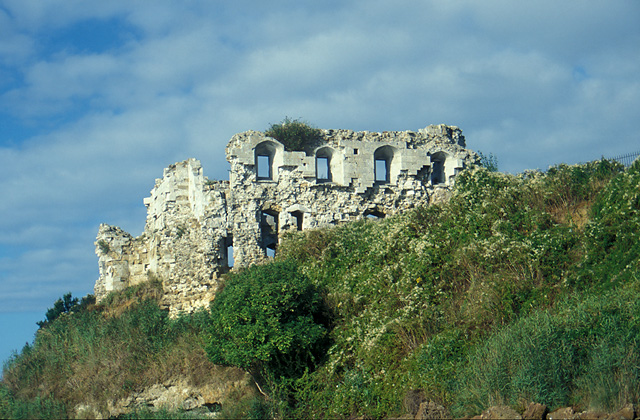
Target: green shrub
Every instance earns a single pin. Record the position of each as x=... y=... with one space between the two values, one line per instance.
x=36 y=408
x=295 y=135
x=268 y=320
x=61 y=306
x=96 y=353
x=586 y=354
x=489 y=162
x=470 y=302
x=612 y=237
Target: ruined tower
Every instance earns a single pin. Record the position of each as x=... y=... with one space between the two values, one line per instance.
x=195 y=227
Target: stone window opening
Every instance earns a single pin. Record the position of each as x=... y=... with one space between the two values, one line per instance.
x=374 y=214
x=298 y=216
x=270 y=251
x=323 y=173
x=383 y=158
x=264 y=159
x=263 y=167
x=323 y=164
x=382 y=171
x=227 y=252
x=269 y=231
x=437 y=168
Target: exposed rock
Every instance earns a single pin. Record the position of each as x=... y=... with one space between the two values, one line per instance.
x=225 y=385
x=193 y=224
x=591 y=415
x=627 y=412
x=535 y=411
x=87 y=411
x=564 y=413
x=501 y=412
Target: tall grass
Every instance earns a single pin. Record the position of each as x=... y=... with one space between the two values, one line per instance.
x=103 y=353
x=584 y=353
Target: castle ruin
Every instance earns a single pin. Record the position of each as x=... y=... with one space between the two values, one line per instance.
x=196 y=229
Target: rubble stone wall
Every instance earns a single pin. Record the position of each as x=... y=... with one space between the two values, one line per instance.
x=196 y=227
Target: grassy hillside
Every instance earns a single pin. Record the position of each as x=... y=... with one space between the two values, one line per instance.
x=520 y=288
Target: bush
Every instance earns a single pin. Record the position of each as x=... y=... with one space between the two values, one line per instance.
x=37 y=408
x=61 y=306
x=586 y=354
x=295 y=135
x=97 y=353
x=612 y=245
x=489 y=162
x=268 y=320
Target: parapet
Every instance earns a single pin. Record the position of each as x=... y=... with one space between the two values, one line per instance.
x=357 y=159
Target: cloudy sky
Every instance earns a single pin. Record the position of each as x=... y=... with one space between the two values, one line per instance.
x=97 y=97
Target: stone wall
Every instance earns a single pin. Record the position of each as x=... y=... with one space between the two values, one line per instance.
x=180 y=245
x=196 y=227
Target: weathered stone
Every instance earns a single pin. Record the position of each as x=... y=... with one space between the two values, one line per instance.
x=591 y=415
x=193 y=224
x=627 y=412
x=501 y=412
x=535 y=411
x=224 y=386
x=564 y=413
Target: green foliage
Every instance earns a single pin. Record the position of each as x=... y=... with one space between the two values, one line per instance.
x=413 y=295
x=61 y=306
x=612 y=237
x=437 y=362
x=104 y=246
x=36 y=408
x=250 y=409
x=295 y=135
x=489 y=162
x=96 y=353
x=267 y=319
x=163 y=413
x=519 y=288
x=149 y=290
x=586 y=353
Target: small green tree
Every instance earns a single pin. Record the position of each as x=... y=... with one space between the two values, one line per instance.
x=267 y=320
x=64 y=305
x=490 y=162
x=295 y=134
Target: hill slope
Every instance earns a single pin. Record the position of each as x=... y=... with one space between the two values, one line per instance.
x=519 y=289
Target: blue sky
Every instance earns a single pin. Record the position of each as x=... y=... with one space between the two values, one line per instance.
x=96 y=98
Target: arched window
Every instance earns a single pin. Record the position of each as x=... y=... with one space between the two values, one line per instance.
x=323 y=164
x=373 y=214
x=382 y=159
x=437 y=168
x=269 y=231
x=264 y=154
x=298 y=216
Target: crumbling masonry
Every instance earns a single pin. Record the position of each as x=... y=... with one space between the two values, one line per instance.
x=197 y=228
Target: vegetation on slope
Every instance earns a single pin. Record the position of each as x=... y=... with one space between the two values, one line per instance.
x=268 y=320
x=421 y=300
x=100 y=353
x=520 y=288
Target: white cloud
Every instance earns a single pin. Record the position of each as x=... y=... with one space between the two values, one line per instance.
x=536 y=83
